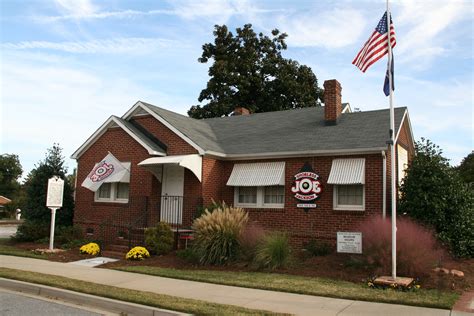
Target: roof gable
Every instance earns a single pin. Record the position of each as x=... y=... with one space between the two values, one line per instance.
x=113 y=121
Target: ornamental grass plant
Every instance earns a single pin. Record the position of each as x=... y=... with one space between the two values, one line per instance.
x=273 y=251
x=217 y=234
x=417 y=249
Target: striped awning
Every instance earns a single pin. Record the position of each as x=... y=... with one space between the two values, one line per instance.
x=347 y=171
x=257 y=174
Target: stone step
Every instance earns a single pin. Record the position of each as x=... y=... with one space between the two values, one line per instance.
x=113 y=254
x=117 y=248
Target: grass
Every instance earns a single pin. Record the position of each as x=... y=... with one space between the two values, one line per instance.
x=9 y=250
x=195 y=307
x=305 y=285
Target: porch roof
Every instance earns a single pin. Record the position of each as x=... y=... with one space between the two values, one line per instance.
x=191 y=162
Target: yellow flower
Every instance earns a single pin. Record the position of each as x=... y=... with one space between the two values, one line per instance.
x=417 y=286
x=137 y=253
x=90 y=249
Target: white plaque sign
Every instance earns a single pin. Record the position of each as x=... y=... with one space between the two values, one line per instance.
x=349 y=242
x=55 y=192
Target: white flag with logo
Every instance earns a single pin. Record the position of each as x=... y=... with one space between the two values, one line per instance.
x=110 y=169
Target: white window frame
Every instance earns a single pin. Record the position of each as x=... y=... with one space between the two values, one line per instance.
x=113 y=193
x=260 y=200
x=342 y=207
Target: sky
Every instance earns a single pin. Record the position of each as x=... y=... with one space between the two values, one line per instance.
x=67 y=65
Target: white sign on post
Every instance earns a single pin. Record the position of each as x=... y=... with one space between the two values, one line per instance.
x=349 y=242
x=54 y=200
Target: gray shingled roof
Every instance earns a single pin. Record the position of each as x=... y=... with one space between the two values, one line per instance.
x=285 y=131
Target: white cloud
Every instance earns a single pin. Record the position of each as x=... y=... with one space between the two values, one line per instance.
x=76 y=7
x=424 y=26
x=330 y=29
x=115 y=45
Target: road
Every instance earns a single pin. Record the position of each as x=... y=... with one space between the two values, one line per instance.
x=7 y=230
x=20 y=304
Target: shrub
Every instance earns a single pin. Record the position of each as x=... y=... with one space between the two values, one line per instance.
x=252 y=234
x=159 y=239
x=68 y=234
x=90 y=249
x=434 y=194
x=274 y=251
x=189 y=254
x=217 y=233
x=318 y=248
x=137 y=253
x=32 y=231
x=417 y=250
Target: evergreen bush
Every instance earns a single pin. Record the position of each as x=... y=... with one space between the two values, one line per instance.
x=159 y=239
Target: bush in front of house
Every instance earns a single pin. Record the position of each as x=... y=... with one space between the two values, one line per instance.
x=32 y=231
x=273 y=251
x=433 y=193
x=210 y=207
x=217 y=233
x=91 y=248
x=137 y=253
x=318 y=248
x=417 y=248
x=250 y=237
x=159 y=239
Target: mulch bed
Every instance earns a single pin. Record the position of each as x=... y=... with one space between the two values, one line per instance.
x=334 y=266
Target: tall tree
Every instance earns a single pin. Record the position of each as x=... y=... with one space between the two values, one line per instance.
x=433 y=193
x=249 y=71
x=36 y=189
x=10 y=171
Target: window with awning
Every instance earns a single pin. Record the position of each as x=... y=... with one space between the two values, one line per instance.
x=258 y=185
x=348 y=178
x=257 y=174
x=115 y=188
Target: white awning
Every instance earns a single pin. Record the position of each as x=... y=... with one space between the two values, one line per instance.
x=347 y=171
x=191 y=162
x=124 y=177
x=257 y=174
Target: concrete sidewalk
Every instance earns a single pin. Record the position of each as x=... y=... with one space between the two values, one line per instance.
x=250 y=298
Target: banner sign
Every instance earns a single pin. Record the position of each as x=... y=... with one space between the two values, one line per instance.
x=109 y=168
x=306 y=187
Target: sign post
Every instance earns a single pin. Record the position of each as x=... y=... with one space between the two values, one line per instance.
x=54 y=201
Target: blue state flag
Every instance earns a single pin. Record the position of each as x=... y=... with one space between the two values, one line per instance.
x=386 y=84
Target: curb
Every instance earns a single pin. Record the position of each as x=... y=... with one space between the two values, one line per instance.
x=104 y=303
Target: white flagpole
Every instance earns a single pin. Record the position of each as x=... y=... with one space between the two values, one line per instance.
x=392 y=155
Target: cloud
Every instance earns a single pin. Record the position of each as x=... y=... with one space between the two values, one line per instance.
x=330 y=29
x=219 y=11
x=425 y=26
x=111 y=46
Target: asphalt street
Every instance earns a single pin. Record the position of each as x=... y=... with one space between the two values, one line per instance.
x=19 y=304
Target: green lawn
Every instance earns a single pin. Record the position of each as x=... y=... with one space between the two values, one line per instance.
x=305 y=285
x=195 y=307
x=11 y=250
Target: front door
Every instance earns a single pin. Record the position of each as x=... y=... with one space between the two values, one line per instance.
x=172 y=188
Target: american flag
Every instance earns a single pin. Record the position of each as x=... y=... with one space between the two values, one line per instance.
x=376 y=46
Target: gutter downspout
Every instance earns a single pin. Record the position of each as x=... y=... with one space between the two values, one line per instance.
x=384 y=185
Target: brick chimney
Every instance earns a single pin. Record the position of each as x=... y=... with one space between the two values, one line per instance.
x=332 y=101
x=240 y=110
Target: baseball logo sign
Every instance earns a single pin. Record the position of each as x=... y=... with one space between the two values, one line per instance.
x=101 y=171
x=307 y=187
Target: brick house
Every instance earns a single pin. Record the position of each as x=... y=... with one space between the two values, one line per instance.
x=311 y=172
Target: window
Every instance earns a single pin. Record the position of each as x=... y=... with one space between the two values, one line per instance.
x=247 y=195
x=274 y=195
x=349 y=197
x=260 y=197
x=112 y=192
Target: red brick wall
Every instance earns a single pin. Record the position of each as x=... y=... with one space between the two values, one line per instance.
x=322 y=222
x=176 y=145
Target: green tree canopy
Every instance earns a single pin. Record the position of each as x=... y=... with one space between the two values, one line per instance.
x=248 y=70
x=466 y=168
x=433 y=193
x=10 y=171
x=37 y=185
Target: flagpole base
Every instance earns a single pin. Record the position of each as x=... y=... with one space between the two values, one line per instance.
x=390 y=281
